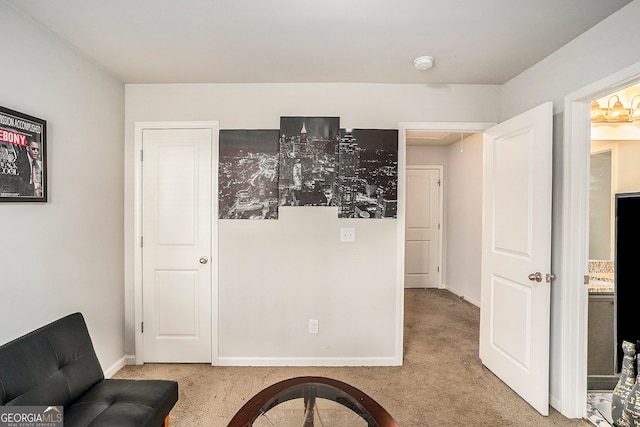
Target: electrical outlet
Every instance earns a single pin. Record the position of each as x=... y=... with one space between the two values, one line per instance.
x=347 y=234
x=313 y=326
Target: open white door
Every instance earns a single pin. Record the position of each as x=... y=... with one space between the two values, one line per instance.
x=516 y=253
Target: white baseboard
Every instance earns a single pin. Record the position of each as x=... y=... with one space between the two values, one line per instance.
x=310 y=361
x=109 y=372
x=472 y=301
x=555 y=403
x=281 y=361
x=463 y=296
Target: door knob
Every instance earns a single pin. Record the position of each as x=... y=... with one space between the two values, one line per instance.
x=204 y=260
x=536 y=277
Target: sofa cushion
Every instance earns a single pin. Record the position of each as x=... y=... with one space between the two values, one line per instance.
x=123 y=403
x=53 y=365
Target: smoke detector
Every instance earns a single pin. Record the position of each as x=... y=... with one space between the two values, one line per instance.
x=423 y=62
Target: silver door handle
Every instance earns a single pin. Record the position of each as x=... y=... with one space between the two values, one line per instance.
x=204 y=260
x=536 y=277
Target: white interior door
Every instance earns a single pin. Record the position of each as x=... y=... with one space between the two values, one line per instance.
x=176 y=253
x=422 y=233
x=516 y=254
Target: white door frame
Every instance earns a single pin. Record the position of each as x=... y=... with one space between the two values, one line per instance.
x=137 y=250
x=572 y=401
x=440 y=169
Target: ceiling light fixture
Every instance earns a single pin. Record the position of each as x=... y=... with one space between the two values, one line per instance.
x=616 y=114
x=423 y=62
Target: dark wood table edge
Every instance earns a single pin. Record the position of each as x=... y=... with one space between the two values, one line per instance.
x=252 y=408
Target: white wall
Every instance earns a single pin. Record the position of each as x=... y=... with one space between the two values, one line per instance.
x=275 y=275
x=464 y=217
x=423 y=155
x=65 y=255
x=628 y=172
x=589 y=58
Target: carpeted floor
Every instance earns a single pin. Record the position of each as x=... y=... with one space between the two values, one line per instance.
x=441 y=383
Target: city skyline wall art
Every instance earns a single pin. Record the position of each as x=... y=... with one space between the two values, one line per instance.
x=248 y=174
x=367 y=173
x=307 y=160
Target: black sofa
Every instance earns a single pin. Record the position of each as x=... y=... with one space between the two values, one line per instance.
x=56 y=365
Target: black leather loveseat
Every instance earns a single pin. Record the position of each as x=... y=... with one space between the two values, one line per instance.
x=56 y=365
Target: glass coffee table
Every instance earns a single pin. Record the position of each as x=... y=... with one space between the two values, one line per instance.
x=312 y=402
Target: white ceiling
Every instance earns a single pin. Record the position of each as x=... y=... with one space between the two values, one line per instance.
x=364 y=41
x=431 y=138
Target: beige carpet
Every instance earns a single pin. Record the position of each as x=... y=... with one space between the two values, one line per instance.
x=441 y=383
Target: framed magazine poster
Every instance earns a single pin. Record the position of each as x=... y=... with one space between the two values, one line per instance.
x=23 y=159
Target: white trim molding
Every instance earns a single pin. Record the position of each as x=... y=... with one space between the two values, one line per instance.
x=111 y=370
x=308 y=361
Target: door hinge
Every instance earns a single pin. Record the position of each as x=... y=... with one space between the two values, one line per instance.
x=141 y=241
x=142 y=327
x=438 y=269
x=438 y=226
x=586 y=279
x=141 y=155
x=439 y=182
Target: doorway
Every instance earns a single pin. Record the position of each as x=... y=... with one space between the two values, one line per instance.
x=517 y=150
x=571 y=351
x=613 y=172
x=456 y=148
